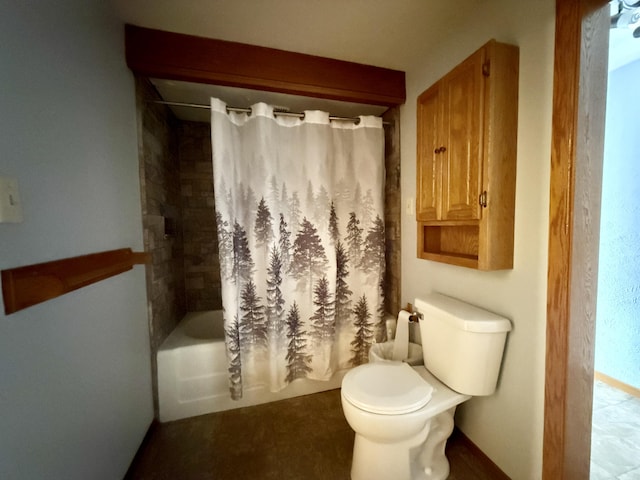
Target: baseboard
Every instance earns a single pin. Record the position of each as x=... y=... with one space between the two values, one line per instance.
x=488 y=466
x=617 y=384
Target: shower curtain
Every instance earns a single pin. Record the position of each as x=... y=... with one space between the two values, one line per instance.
x=299 y=212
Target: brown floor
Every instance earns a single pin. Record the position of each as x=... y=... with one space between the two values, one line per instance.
x=300 y=438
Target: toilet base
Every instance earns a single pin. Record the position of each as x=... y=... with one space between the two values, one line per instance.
x=420 y=457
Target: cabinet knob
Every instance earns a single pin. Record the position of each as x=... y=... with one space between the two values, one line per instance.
x=440 y=150
x=443 y=149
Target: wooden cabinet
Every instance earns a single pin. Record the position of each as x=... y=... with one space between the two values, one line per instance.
x=466 y=161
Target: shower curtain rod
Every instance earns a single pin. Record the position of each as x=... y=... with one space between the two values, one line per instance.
x=248 y=110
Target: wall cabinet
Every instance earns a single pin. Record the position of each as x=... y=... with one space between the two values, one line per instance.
x=466 y=161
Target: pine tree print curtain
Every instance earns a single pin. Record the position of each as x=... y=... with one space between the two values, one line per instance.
x=299 y=211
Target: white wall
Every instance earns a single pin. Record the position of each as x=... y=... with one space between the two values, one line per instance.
x=508 y=425
x=617 y=328
x=75 y=388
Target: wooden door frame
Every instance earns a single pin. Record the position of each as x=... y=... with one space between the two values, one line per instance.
x=579 y=95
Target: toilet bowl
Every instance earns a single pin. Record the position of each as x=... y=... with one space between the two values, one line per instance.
x=402 y=415
x=407 y=445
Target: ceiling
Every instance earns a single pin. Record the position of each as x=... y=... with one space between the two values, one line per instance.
x=384 y=33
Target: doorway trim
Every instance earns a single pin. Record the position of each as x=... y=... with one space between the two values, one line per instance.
x=579 y=95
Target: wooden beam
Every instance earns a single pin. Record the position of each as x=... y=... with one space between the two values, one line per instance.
x=23 y=287
x=160 y=54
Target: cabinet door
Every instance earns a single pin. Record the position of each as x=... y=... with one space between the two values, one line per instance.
x=428 y=168
x=462 y=160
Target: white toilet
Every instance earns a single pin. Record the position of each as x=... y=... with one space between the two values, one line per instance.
x=402 y=415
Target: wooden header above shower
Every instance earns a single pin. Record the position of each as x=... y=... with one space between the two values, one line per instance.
x=160 y=54
x=25 y=286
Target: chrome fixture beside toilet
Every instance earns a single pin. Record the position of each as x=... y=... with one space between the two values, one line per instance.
x=402 y=414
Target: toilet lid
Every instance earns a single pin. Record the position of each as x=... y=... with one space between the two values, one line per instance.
x=390 y=388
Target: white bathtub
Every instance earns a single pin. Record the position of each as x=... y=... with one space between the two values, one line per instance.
x=192 y=372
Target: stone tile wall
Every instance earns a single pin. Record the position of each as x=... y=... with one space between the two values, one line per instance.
x=161 y=211
x=201 y=265
x=392 y=211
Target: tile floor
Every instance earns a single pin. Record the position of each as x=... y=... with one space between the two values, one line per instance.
x=253 y=441
x=615 y=440
x=302 y=438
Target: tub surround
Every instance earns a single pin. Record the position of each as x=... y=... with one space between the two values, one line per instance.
x=200 y=234
x=176 y=185
x=392 y=210
x=176 y=182
x=160 y=198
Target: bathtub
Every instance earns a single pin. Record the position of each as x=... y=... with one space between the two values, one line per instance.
x=193 y=378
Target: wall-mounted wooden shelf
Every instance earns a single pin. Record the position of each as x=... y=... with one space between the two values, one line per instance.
x=455 y=243
x=25 y=286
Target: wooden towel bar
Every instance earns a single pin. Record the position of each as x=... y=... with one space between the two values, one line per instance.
x=23 y=287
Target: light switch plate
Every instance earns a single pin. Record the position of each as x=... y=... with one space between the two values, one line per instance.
x=410 y=207
x=10 y=206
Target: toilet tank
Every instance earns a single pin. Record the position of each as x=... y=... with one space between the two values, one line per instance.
x=462 y=345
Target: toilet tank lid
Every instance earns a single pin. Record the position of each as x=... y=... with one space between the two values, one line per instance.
x=463 y=315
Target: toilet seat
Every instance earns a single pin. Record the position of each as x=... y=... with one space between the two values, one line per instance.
x=386 y=388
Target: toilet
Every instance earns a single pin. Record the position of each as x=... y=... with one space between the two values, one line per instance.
x=402 y=415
